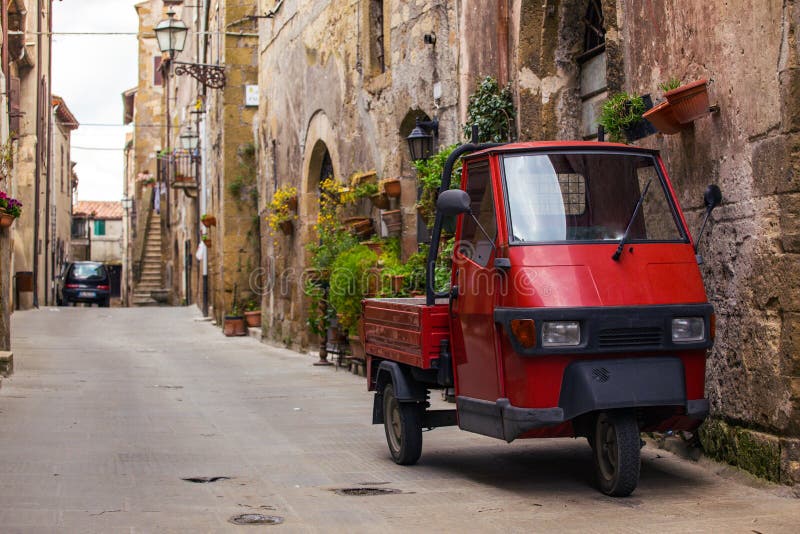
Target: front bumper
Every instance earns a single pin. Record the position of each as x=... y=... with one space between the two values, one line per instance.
x=588 y=386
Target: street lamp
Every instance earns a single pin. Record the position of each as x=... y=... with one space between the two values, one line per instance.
x=420 y=141
x=171 y=36
x=189 y=139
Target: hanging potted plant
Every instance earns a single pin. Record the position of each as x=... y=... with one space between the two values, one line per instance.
x=208 y=220
x=10 y=209
x=689 y=101
x=206 y=240
x=663 y=116
x=283 y=210
x=391 y=186
x=621 y=117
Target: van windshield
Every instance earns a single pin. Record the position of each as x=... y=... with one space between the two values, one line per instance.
x=587 y=196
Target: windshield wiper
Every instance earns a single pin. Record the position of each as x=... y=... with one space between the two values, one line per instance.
x=624 y=238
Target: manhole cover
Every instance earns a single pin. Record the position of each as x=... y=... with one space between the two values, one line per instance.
x=366 y=492
x=256 y=519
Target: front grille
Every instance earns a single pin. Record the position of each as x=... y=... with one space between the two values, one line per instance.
x=630 y=337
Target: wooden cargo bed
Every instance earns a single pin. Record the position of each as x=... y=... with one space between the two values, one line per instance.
x=404 y=330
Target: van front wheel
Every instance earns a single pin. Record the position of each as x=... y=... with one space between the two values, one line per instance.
x=616 y=451
x=402 y=422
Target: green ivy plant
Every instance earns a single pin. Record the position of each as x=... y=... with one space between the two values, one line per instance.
x=429 y=175
x=491 y=109
x=621 y=111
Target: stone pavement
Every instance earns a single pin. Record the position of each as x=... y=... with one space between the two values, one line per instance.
x=109 y=409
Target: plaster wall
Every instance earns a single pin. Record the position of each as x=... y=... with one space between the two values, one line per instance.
x=107 y=248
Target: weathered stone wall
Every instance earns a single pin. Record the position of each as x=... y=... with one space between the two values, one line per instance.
x=234 y=253
x=749 y=148
x=322 y=89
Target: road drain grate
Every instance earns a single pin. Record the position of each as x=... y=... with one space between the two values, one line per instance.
x=366 y=492
x=204 y=480
x=256 y=519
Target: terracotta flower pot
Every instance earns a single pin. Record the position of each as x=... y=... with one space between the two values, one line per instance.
x=6 y=219
x=207 y=243
x=398 y=281
x=209 y=221
x=233 y=325
x=291 y=203
x=392 y=187
x=380 y=200
x=253 y=318
x=393 y=220
x=663 y=118
x=374 y=246
x=287 y=228
x=690 y=101
x=357 y=348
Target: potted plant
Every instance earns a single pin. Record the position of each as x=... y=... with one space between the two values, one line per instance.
x=252 y=314
x=663 y=116
x=689 y=101
x=233 y=323
x=349 y=283
x=282 y=210
x=429 y=179
x=621 y=117
x=391 y=186
x=208 y=220
x=206 y=240
x=10 y=209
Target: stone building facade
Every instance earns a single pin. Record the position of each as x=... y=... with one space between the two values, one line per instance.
x=341 y=85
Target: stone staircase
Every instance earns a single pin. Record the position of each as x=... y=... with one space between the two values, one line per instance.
x=150 y=280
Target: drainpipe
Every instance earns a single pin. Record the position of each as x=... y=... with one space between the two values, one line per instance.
x=38 y=164
x=202 y=131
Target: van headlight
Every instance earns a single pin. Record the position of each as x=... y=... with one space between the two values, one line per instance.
x=688 y=329
x=561 y=334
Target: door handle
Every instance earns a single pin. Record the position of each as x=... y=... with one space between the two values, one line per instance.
x=453 y=296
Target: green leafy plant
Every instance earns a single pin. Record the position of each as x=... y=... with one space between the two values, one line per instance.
x=669 y=85
x=429 y=176
x=243 y=185
x=365 y=190
x=349 y=283
x=252 y=305
x=620 y=112
x=491 y=109
x=6 y=158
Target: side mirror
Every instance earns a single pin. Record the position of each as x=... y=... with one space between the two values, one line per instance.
x=453 y=202
x=712 y=197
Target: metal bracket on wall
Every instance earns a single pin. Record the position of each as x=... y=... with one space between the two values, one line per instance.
x=211 y=76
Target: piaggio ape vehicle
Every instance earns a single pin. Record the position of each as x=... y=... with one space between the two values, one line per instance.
x=576 y=308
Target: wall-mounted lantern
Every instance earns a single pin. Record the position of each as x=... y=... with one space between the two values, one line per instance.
x=421 y=139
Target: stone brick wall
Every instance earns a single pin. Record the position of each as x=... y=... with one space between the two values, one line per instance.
x=749 y=148
x=322 y=89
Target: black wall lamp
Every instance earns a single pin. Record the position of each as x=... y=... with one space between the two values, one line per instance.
x=171 y=35
x=421 y=139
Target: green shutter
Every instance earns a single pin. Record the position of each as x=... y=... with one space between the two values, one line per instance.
x=99 y=228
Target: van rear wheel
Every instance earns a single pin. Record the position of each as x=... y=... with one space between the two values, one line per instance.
x=402 y=422
x=616 y=451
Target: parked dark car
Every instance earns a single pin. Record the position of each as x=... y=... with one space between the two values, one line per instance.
x=84 y=281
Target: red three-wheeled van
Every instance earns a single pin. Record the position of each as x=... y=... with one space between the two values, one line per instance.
x=576 y=308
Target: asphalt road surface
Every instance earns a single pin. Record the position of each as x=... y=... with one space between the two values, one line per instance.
x=110 y=409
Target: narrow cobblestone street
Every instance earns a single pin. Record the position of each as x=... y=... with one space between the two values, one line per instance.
x=109 y=409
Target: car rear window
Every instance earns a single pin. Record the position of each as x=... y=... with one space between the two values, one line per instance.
x=84 y=271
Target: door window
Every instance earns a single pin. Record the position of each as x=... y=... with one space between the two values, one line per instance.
x=474 y=243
